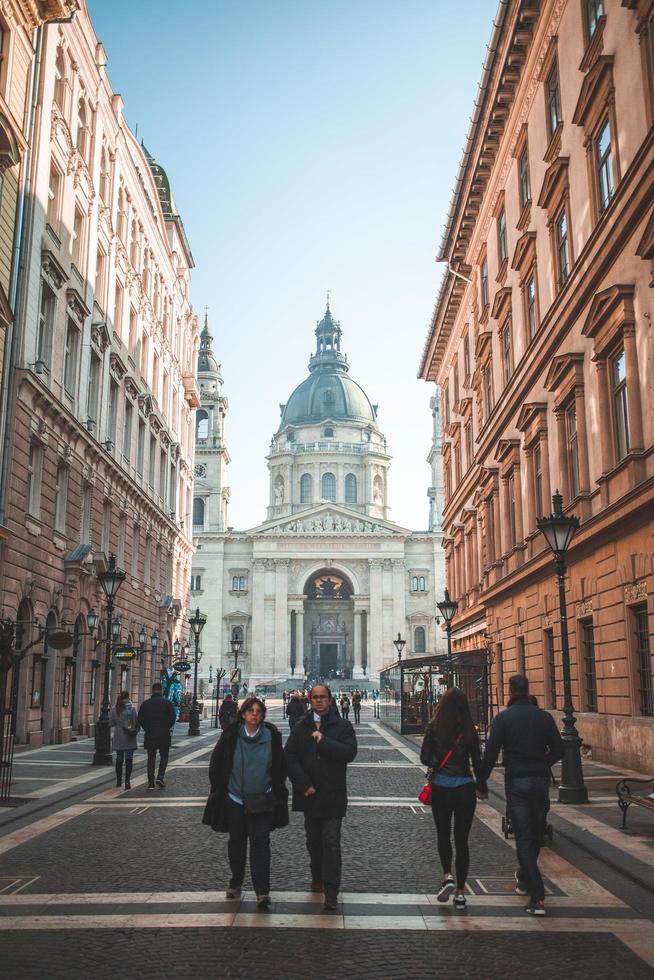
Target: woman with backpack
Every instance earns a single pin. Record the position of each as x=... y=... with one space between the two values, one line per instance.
x=449 y=748
x=125 y=725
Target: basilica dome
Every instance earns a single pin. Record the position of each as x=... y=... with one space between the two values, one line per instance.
x=328 y=392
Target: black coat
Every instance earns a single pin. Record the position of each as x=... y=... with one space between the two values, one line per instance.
x=530 y=740
x=220 y=767
x=156 y=717
x=321 y=764
x=295 y=709
x=227 y=713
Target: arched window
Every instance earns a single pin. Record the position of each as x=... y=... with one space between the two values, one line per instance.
x=104 y=176
x=198 y=512
x=134 y=247
x=122 y=216
x=419 y=640
x=60 y=80
x=414 y=583
x=237 y=633
x=421 y=583
x=234 y=583
x=81 y=127
x=242 y=583
x=202 y=425
x=328 y=486
x=350 y=489
x=329 y=432
x=378 y=490
x=305 y=489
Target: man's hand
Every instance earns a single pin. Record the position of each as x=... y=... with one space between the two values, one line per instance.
x=310 y=792
x=317 y=736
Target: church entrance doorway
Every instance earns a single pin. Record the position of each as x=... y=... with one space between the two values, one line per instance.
x=329 y=627
x=328 y=658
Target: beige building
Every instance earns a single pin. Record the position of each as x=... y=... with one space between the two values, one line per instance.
x=542 y=346
x=102 y=394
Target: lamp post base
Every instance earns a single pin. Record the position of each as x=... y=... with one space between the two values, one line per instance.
x=194 y=721
x=572 y=788
x=103 y=755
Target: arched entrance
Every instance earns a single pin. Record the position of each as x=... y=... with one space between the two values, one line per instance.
x=328 y=626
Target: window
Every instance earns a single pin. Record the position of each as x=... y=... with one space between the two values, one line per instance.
x=82 y=130
x=118 y=308
x=305 y=489
x=520 y=656
x=54 y=198
x=350 y=489
x=140 y=448
x=198 y=512
x=122 y=216
x=60 y=80
x=530 y=306
x=70 y=356
x=105 y=541
x=502 y=247
x=152 y=461
x=499 y=665
x=550 y=668
x=487 y=385
x=507 y=352
x=562 y=248
x=104 y=177
x=328 y=486
x=605 y=174
x=553 y=97
x=594 y=11
x=85 y=523
x=134 y=245
x=573 y=450
x=136 y=549
x=511 y=514
x=133 y=328
x=77 y=244
x=538 y=480
x=483 y=276
x=523 y=173
x=147 y=560
x=114 y=394
x=418 y=583
x=196 y=583
x=645 y=694
x=145 y=356
x=419 y=645
x=328 y=433
x=163 y=473
x=46 y=325
x=467 y=434
x=620 y=405
x=122 y=538
x=457 y=463
x=466 y=355
x=239 y=583
x=127 y=430
x=588 y=658
x=455 y=383
x=61 y=498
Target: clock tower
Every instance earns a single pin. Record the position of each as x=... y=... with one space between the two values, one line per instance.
x=211 y=495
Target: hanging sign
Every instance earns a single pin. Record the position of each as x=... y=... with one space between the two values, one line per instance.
x=125 y=653
x=183 y=666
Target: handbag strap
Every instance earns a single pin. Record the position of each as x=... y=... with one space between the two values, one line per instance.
x=449 y=755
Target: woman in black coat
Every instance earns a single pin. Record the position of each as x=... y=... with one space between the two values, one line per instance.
x=248 y=796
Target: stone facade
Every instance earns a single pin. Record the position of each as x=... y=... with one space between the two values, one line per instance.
x=542 y=345
x=102 y=395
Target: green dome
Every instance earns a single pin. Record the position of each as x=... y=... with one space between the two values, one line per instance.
x=327 y=395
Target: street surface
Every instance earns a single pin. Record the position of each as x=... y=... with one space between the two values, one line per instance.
x=99 y=882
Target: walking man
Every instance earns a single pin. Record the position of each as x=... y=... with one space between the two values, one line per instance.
x=531 y=744
x=356 y=706
x=345 y=706
x=295 y=709
x=228 y=710
x=156 y=717
x=317 y=753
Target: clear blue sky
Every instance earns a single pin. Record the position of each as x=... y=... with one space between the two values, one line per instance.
x=309 y=145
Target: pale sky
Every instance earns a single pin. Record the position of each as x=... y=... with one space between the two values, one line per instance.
x=310 y=145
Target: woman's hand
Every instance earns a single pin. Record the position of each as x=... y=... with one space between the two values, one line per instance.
x=310 y=792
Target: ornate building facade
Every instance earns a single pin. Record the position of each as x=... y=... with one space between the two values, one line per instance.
x=542 y=345
x=326 y=583
x=102 y=392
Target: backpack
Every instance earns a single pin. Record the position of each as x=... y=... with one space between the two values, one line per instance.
x=130 y=726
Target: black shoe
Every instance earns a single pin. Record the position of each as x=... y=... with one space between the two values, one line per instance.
x=128 y=785
x=331 y=903
x=160 y=783
x=119 y=782
x=446 y=889
x=263 y=901
x=150 y=785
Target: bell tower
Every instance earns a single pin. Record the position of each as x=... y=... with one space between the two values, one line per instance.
x=211 y=493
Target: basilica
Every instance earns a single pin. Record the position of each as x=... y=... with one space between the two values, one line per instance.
x=326 y=583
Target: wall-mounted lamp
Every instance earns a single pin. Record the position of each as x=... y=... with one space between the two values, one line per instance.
x=89 y=424
x=108 y=445
x=38 y=366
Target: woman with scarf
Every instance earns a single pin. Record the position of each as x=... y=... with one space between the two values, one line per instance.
x=248 y=795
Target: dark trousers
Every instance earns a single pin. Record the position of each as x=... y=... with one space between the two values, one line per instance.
x=528 y=800
x=256 y=827
x=345 y=712
x=458 y=802
x=163 y=762
x=323 y=836
x=357 y=715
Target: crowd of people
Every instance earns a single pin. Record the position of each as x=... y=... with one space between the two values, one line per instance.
x=249 y=768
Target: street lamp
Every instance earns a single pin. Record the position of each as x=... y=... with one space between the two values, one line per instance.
x=92 y=619
x=236 y=643
x=177 y=646
x=197 y=624
x=399 y=645
x=447 y=608
x=111 y=580
x=559 y=530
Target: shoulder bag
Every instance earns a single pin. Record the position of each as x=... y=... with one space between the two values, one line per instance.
x=425 y=794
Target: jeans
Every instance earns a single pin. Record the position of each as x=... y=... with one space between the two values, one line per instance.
x=528 y=801
x=128 y=756
x=458 y=802
x=163 y=762
x=357 y=715
x=256 y=827
x=323 y=837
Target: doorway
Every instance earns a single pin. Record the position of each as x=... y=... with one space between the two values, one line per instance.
x=328 y=658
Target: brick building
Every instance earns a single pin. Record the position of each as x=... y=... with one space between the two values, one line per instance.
x=541 y=344
x=102 y=391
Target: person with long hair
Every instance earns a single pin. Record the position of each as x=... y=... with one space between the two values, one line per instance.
x=248 y=796
x=125 y=725
x=449 y=748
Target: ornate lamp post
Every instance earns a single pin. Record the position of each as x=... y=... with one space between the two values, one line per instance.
x=559 y=530
x=110 y=580
x=197 y=624
x=236 y=643
x=447 y=608
x=399 y=645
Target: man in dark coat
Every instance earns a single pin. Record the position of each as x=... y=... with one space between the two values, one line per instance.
x=295 y=709
x=317 y=753
x=227 y=712
x=156 y=717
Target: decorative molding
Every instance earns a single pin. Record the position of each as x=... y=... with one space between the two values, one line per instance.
x=635 y=592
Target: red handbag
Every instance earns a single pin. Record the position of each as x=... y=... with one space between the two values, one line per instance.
x=425 y=794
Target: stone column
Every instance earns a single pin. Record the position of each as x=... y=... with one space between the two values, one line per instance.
x=375 y=650
x=479 y=567
x=299 y=642
x=505 y=519
x=358 y=648
x=517 y=485
x=562 y=456
x=633 y=388
x=582 y=440
x=497 y=526
x=257 y=653
x=545 y=464
x=282 y=652
x=530 y=498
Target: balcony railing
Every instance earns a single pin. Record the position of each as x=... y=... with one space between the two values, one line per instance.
x=326 y=446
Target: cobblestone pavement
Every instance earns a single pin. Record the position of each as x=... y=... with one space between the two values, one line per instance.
x=96 y=880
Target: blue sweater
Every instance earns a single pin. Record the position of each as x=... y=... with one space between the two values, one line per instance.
x=251 y=770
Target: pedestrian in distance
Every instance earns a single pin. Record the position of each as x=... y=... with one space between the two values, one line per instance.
x=531 y=744
x=123 y=720
x=449 y=748
x=228 y=711
x=295 y=709
x=345 y=706
x=317 y=754
x=248 y=796
x=356 y=706
x=156 y=717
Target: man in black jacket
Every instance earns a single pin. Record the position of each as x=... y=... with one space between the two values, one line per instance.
x=156 y=717
x=295 y=709
x=531 y=744
x=317 y=753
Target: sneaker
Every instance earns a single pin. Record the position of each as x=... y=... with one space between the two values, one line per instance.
x=160 y=783
x=331 y=903
x=535 y=908
x=519 y=885
x=460 y=902
x=263 y=901
x=150 y=785
x=128 y=785
x=119 y=782
x=234 y=891
x=446 y=889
